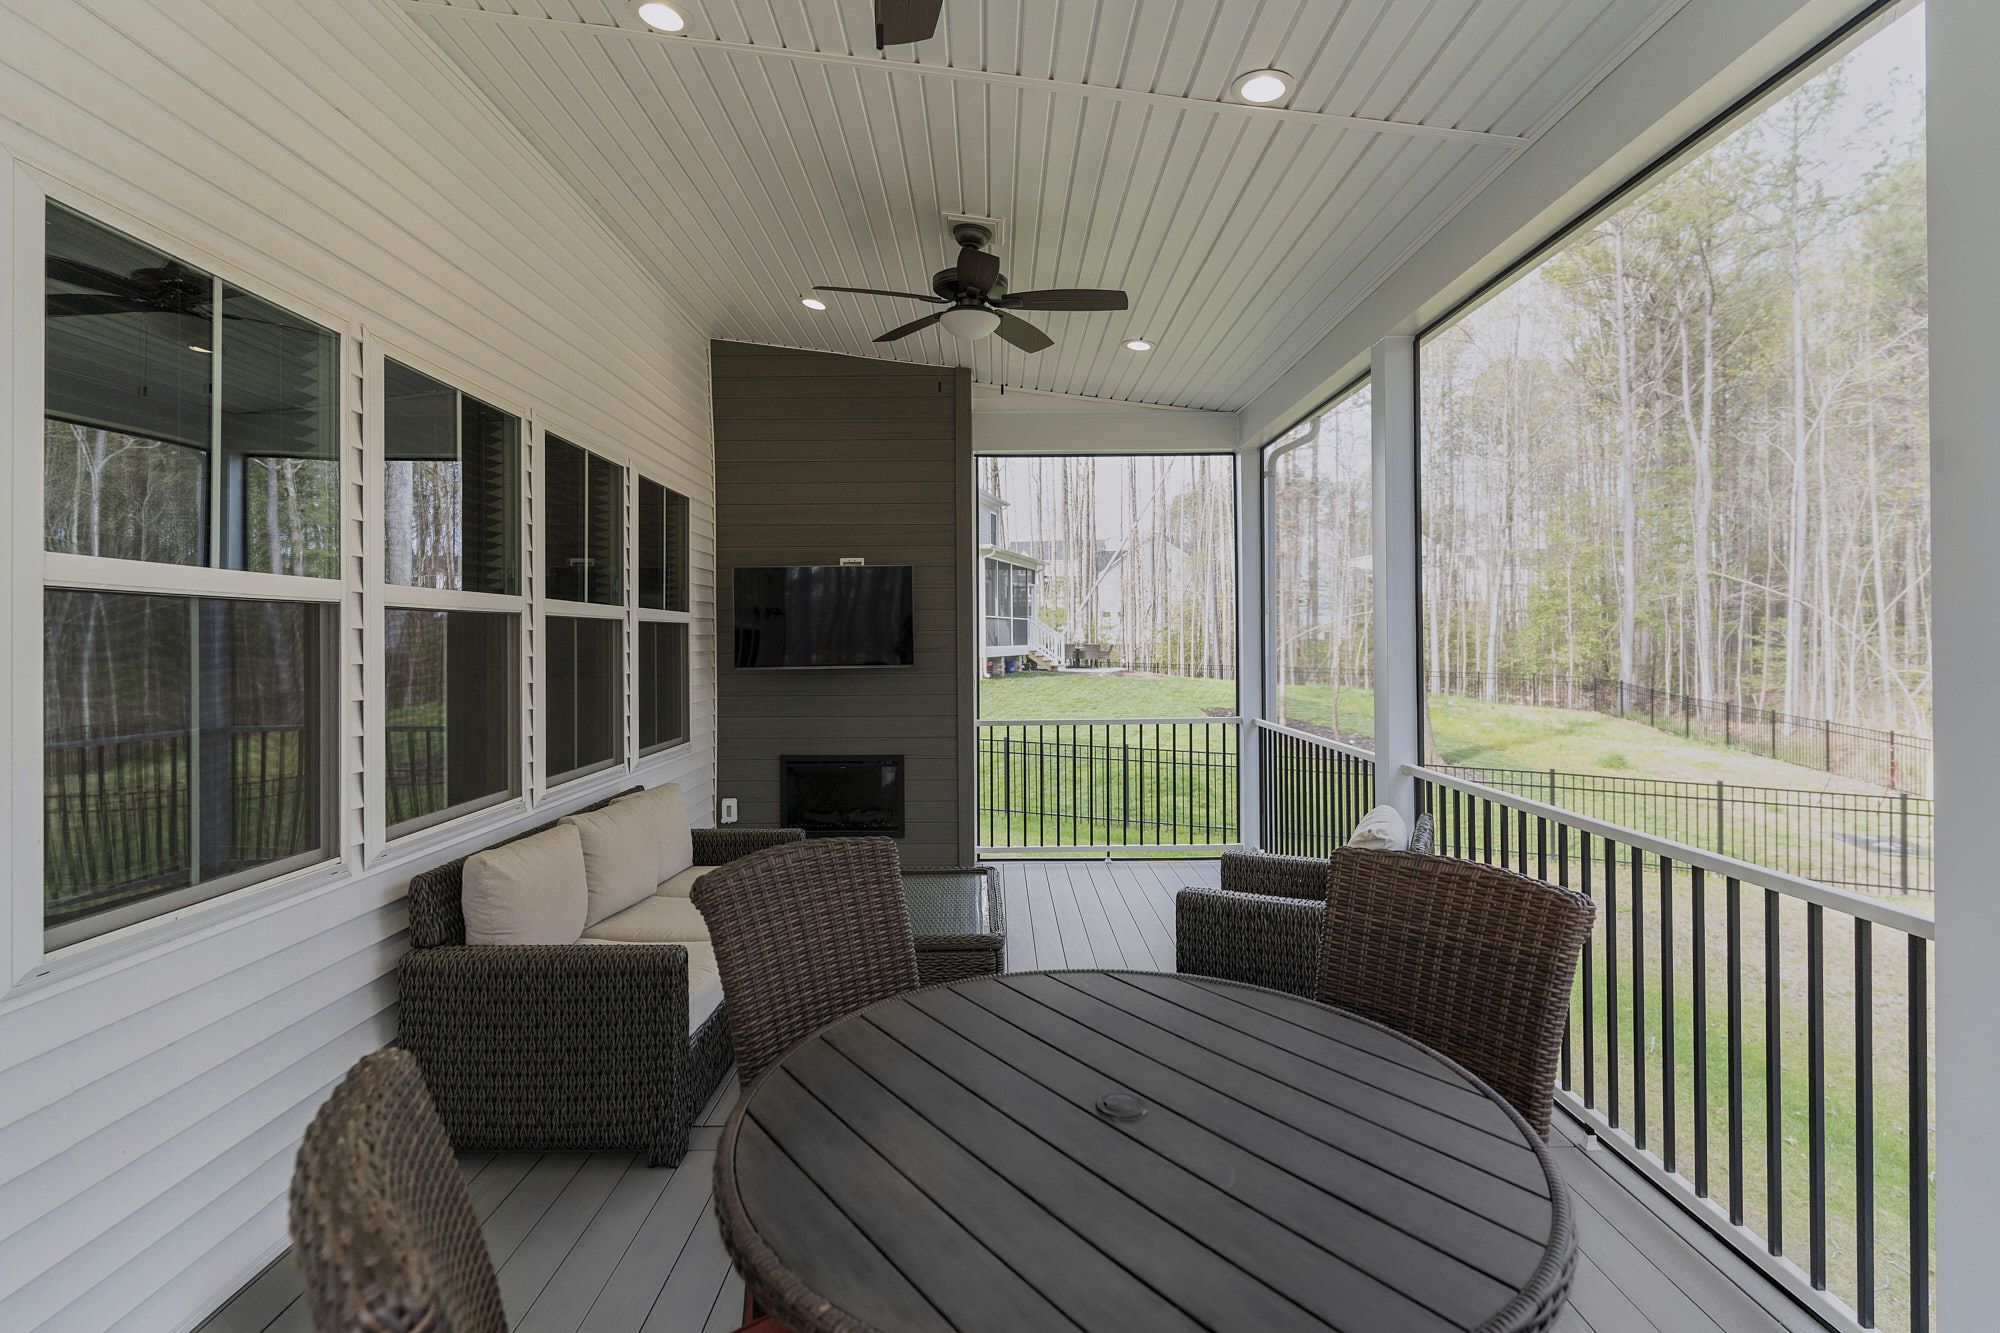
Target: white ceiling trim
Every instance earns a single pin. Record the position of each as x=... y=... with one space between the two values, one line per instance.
x=1134 y=96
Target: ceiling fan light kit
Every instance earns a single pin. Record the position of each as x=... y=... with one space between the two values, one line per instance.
x=980 y=303
x=969 y=323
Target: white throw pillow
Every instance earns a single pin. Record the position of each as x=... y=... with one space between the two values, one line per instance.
x=1381 y=830
x=621 y=855
x=667 y=809
x=526 y=892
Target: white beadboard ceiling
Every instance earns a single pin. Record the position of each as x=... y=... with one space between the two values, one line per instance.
x=771 y=148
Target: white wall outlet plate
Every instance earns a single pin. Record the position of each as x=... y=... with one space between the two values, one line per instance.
x=852 y=560
x=728 y=815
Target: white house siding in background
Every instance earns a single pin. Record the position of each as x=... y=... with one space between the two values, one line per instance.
x=151 y=1100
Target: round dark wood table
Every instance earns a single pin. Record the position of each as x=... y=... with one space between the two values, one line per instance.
x=1135 y=1150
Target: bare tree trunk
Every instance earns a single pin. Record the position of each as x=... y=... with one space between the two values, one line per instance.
x=1628 y=446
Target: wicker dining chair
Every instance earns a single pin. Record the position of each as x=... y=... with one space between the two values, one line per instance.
x=805 y=934
x=383 y=1230
x=1472 y=960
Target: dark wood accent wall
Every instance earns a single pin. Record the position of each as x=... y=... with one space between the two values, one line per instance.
x=819 y=457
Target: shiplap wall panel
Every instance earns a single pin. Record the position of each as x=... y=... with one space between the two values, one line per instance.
x=330 y=154
x=821 y=457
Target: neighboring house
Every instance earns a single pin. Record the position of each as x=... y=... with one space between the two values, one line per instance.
x=1012 y=633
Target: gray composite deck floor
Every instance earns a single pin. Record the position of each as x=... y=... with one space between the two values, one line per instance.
x=599 y=1243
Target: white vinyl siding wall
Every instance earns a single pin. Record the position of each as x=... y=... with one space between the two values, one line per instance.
x=154 y=1083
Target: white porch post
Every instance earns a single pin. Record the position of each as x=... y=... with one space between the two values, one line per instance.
x=1398 y=700
x=1252 y=620
x=1964 y=106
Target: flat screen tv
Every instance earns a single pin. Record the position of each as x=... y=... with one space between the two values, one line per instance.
x=798 y=616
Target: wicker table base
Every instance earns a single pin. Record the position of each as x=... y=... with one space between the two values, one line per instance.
x=960 y=928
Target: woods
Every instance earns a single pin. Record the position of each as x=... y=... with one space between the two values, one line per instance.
x=1689 y=451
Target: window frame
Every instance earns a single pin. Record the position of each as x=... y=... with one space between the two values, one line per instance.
x=642 y=615
x=441 y=826
x=26 y=194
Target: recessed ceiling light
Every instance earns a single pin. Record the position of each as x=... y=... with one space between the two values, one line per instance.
x=1139 y=345
x=812 y=303
x=1264 y=86
x=664 y=17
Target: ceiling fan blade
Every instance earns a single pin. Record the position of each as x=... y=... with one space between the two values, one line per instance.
x=913 y=326
x=1023 y=334
x=877 y=291
x=95 y=279
x=1066 y=298
x=899 y=22
x=61 y=305
x=977 y=270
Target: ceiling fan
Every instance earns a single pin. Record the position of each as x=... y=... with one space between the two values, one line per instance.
x=978 y=301
x=899 y=22
x=169 y=289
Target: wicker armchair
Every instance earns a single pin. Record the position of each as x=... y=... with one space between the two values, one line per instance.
x=564 y=1047
x=1263 y=926
x=804 y=935
x=383 y=1231
x=1472 y=960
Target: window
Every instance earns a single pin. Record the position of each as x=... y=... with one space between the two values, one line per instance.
x=585 y=680
x=664 y=622
x=1676 y=490
x=1322 y=572
x=186 y=731
x=452 y=626
x=585 y=515
x=663 y=548
x=663 y=687
x=451 y=730
x=451 y=494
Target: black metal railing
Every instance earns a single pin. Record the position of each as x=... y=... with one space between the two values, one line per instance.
x=1759 y=1044
x=1100 y=785
x=1312 y=791
x=1876 y=844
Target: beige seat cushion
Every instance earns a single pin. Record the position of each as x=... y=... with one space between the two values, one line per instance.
x=656 y=920
x=531 y=891
x=704 y=978
x=666 y=808
x=621 y=856
x=681 y=885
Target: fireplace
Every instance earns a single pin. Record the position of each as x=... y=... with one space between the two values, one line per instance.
x=833 y=796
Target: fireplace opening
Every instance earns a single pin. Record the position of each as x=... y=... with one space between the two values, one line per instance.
x=832 y=796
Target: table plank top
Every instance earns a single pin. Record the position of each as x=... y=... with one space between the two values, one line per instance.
x=948 y=1159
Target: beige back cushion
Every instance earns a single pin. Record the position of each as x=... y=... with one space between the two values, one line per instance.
x=667 y=810
x=530 y=891
x=621 y=853
x=1381 y=830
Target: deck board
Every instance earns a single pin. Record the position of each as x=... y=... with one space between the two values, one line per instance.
x=600 y=1243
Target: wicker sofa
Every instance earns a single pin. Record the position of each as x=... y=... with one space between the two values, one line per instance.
x=1263 y=927
x=565 y=1046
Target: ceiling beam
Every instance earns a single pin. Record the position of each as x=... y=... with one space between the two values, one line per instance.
x=443 y=9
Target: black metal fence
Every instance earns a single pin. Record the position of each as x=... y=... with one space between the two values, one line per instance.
x=1768 y=1049
x=1091 y=784
x=1896 y=760
x=1877 y=844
